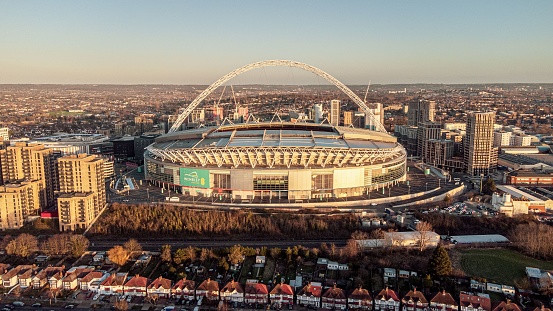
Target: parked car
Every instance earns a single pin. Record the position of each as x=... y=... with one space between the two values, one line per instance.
x=36 y=305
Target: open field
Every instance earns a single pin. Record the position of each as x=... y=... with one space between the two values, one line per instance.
x=499 y=265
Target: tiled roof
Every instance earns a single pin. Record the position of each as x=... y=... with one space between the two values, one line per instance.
x=310 y=290
x=137 y=281
x=334 y=293
x=444 y=298
x=209 y=285
x=233 y=286
x=415 y=296
x=256 y=288
x=507 y=306
x=475 y=301
x=361 y=294
x=160 y=282
x=282 y=289
x=92 y=275
x=387 y=294
x=184 y=283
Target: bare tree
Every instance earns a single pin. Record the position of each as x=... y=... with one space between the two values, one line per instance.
x=133 y=247
x=424 y=229
x=79 y=244
x=23 y=246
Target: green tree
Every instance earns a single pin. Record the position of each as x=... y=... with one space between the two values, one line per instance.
x=489 y=187
x=439 y=264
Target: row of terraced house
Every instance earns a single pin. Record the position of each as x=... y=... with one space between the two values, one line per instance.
x=86 y=278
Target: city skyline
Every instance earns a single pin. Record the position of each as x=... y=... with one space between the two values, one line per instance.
x=198 y=42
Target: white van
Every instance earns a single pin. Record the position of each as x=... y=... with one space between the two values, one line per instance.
x=18 y=303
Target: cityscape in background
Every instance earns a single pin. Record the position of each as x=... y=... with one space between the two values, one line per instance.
x=276 y=155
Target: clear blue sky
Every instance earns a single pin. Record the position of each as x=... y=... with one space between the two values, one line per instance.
x=196 y=42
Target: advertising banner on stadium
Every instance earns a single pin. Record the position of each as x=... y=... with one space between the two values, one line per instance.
x=194 y=178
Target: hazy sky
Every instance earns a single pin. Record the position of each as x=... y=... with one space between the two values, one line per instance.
x=196 y=42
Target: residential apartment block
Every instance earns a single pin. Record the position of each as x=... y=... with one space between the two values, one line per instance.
x=82 y=191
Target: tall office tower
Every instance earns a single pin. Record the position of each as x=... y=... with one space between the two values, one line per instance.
x=17 y=202
x=318 y=113
x=82 y=191
x=501 y=138
x=480 y=156
x=421 y=111
x=425 y=132
x=4 y=133
x=335 y=112
x=30 y=162
x=348 y=118
x=378 y=113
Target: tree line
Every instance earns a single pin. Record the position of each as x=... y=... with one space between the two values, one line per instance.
x=64 y=244
x=159 y=220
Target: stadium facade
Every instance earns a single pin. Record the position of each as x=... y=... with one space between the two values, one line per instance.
x=297 y=161
x=281 y=160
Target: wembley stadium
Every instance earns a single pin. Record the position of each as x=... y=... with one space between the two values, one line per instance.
x=281 y=160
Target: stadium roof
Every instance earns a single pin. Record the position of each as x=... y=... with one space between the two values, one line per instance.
x=306 y=135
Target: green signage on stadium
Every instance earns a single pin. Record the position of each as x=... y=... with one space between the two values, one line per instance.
x=194 y=178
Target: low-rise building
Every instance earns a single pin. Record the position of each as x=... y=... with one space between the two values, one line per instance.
x=92 y=280
x=136 y=286
x=256 y=293
x=282 y=294
x=310 y=295
x=474 y=302
x=208 y=289
x=160 y=287
x=334 y=298
x=414 y=301
x=232 y=292
x=41 y=279
x=184 y=289
x=113 y=284
x=443 y=301
x=386 y=300
x=360 y=299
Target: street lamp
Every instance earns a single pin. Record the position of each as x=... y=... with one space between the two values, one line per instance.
x=426 y=186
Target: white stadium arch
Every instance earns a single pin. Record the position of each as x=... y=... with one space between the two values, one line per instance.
x=276 y=63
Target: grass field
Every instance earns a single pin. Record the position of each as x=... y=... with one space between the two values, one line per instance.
x=499 y=265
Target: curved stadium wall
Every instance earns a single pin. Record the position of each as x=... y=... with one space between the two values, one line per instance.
x=294 y=161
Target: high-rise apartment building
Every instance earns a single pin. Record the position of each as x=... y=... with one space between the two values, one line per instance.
x=17 y=202
x=82 y=191
x=30 y=162
x=421 y=111
x=335 y=112
x=425 y=132
x=480 y=156
x=4 y=133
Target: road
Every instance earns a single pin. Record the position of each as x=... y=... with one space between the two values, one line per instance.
x=98 y=244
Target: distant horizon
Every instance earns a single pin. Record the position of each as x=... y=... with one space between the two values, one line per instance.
x=278 y=84
x=137 y=42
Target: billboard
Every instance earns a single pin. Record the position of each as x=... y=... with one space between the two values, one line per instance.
x=194 y=177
